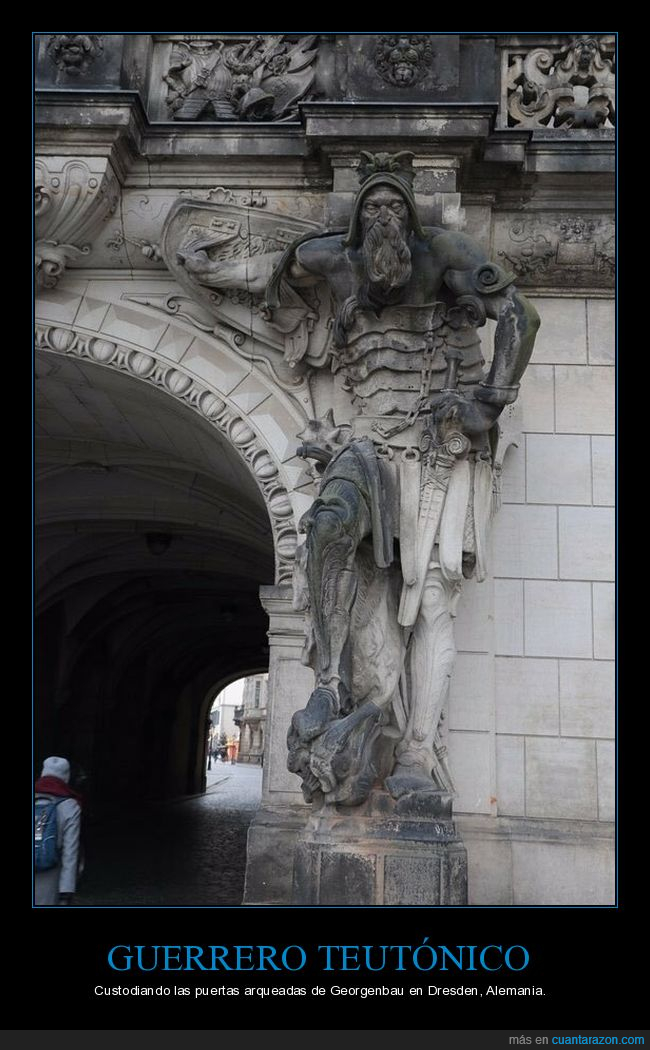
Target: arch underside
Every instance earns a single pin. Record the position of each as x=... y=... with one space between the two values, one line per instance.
x=158 y=515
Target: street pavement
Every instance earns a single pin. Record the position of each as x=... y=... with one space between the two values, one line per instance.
x=190 y=852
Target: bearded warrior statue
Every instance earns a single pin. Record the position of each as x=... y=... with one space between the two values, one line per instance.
x=405 y=491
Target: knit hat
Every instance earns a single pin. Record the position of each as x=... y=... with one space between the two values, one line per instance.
x=56 y=767
x=385 y=169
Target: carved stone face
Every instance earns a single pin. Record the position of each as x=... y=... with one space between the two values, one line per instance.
x=74 y=51
x=384 y=205
x=385 y=222
x=405 y=62
x=586 y=50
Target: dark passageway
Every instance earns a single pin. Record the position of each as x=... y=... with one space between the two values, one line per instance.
x=152 y=541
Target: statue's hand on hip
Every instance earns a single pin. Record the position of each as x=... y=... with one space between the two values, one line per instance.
x=455 y=411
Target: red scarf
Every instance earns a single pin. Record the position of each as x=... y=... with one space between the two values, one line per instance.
x=55 y=786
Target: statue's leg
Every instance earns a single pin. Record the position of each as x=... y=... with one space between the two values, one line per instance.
x=336 y=524
x=432 y=653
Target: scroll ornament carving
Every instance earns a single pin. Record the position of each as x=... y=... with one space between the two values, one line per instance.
x=262 y=79
x=570 y=249
x=403 y=60
x=74 y=53
x=572 y=87
x=72 y=200
x=175 y=381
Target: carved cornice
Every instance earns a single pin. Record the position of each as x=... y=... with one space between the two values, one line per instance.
x=73 y=197
x=215 y=409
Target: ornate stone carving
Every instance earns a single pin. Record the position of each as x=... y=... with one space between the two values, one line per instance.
x=402 y=306
x=294 y=382
x=72 y=199
x=148 y=250
x=51 y=259
x=74 y=53
x=571 y=86
x=231 y=233
x=261 y=79
x=221 y=195
x=403 y=60
x=178 y=383
x=560 y=251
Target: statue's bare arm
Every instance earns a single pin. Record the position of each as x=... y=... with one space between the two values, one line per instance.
x=250 y=275
x=469 y=272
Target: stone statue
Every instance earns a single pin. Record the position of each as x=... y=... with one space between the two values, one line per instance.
x=405 y=491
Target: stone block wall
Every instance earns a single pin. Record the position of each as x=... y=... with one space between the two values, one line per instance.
x=532 y=702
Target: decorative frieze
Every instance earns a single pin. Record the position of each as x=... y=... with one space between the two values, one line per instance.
x=571 y=85
x=563 y=251
x=259 y=78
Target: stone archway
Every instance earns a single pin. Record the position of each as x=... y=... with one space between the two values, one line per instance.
x=207 y=374
x=150 y=558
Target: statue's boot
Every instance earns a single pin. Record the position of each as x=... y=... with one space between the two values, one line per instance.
x=410 y=777
x=331 y=758
x=322 y=708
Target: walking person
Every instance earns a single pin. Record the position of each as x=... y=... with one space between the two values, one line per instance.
x=57 y=817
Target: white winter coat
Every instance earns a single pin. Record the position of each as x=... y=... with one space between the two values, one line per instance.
x=63 y=878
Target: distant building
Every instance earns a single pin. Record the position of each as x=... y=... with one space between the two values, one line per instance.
x=222 y=714
x=251 y=718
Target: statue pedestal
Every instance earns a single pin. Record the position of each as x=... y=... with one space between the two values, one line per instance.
x=384 y=852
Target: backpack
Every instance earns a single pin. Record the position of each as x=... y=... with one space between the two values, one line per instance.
x=46 y=851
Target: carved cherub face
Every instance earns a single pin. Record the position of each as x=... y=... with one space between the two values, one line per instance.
x=405 y=59
x=73 y=51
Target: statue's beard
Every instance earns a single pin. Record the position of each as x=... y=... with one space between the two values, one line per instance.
x=387 y=259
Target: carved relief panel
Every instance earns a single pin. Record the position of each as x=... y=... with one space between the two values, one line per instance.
x=557 y=251
x=251 y=77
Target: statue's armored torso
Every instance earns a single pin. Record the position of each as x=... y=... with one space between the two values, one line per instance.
x=394 y=364
x=393 y=360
